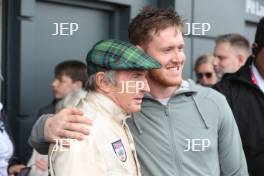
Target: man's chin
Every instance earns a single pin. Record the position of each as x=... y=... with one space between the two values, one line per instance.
x=136 y=108
x=171 y=82
x=57 y=97
x=165 y=80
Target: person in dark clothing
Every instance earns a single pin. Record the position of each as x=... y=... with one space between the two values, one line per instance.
x=231 y=51
x=244 y=91
x=48 y=109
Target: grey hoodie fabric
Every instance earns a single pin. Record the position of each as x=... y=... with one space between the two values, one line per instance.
x=194 y=115
x=162 y=135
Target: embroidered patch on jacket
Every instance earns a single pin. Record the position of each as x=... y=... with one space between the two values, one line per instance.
x=119 y=150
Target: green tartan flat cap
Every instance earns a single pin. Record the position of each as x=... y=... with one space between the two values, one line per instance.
x=114 y=54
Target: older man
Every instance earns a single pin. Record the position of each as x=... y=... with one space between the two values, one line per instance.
x=116 y=86
x=231 y=52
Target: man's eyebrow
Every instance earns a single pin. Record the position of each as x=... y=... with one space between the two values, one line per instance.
x=182 y=45
x=172 y=45
x=138 y=72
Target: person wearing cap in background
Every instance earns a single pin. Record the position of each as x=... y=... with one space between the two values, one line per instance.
x=244 y=91
x=115 y=68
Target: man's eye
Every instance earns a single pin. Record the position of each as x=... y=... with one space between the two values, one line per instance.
x=221 y=58
x=136 y=75
x=167 y=50
x=180 y=48
x=63 y=81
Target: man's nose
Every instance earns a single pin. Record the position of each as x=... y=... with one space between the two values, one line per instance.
x=175 y=56
x=54 y=83
x=215 y=61
x=145 y=86
x=204 y=78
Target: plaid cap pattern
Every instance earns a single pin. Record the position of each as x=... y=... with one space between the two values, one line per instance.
x=114 y=54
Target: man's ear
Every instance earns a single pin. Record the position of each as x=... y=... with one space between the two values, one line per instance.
x=78 y=85
x=101 y=83
x=241 y=59
x=140 y=47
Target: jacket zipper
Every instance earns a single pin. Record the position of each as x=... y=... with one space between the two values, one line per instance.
x=176 y=155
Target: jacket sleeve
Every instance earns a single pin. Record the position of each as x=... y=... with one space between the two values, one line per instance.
x=36 y=139
x=231 y=155
x=82 y=158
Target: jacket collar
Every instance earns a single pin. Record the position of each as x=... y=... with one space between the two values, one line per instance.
x=109 y=106
x=186 y=87
x=242 y=75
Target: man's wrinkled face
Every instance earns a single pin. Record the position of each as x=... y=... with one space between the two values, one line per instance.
x=166 y=46
x=63 y=85
x=226 y=59
x=129 y=89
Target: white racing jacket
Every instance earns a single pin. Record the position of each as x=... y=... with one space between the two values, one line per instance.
x=108 y=150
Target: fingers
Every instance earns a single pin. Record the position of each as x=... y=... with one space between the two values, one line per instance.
x=77 y=127
x=73 y=115
x=80 y=119
x=42 y=164
x=71 y=111
x=72 y=135
x=16 y=168
x=19 y=167
x=76 y=111
x=50 y=132
x=66 y=130
x=68 y=123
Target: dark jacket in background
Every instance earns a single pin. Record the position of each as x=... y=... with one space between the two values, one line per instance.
x=247 y=103
x=48 y=109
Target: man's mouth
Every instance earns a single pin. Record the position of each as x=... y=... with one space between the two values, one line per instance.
x=138 y=99
x=174 y=68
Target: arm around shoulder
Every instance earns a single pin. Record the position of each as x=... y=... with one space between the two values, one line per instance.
x=37 y=139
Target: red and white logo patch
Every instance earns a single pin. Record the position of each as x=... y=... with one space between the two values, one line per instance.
x=119 y=150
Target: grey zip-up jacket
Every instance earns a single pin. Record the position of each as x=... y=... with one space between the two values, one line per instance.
x=195 y=134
